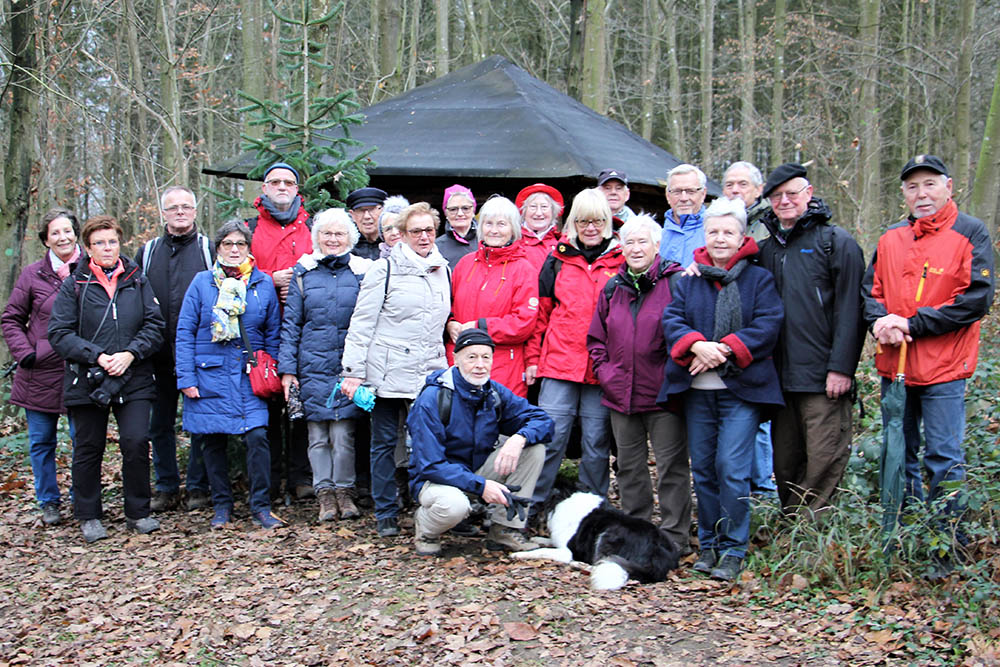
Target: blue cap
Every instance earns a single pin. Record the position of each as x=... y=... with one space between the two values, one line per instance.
x=282 y=165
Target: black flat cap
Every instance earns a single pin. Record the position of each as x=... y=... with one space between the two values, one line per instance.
x=931 y=162
x=473 y=337
x=779 y=175
x=365 y=197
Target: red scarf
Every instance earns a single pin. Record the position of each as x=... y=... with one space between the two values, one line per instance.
x=109 y=283
x=944 y=217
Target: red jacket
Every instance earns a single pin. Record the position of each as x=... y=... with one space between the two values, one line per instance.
x=276 y=248
x=937 y=272
x=568 y=289
x=498 y=288
x=537 y=249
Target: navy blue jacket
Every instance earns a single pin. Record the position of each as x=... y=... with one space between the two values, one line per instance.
x=314 y=329
x=690 y=317
x=227 y=404
x=452 y=455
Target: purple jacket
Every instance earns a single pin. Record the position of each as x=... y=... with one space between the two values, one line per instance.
x=25 y=323
x=625 y=340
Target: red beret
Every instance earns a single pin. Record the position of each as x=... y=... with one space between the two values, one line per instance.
x=538 y=187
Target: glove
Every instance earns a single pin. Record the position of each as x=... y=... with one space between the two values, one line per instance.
x=28 y=361
x=516 y=505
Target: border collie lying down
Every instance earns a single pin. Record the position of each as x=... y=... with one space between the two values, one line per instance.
x=586 y=528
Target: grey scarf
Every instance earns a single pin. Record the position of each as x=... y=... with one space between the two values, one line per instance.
x=282 y=217
x=728 y=308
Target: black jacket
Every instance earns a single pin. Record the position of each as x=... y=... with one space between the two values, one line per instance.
x=133 y=324
x=173 y=263
x=818 y=269
x=367 y=249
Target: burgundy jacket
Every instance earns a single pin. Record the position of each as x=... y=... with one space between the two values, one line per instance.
x=625 y=340
x=25 y=323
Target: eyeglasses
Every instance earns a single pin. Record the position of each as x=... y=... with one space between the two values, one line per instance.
x=229 y=245
x=776 y=197
x=417 y=233
x=687 y=192
x=110 y=243
x=459 y=209
x=275 y=182
x=596 y=224
x=367 y=210
x=186 y=208
x=333 y=235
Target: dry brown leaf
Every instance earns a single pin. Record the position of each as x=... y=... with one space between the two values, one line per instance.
x=520 y=631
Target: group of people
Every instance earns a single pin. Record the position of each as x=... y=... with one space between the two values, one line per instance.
x=484 y=344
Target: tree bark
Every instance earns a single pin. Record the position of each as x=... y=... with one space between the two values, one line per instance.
x=654 y=21
x=390 y=52
x=869 y=171
x=983 y=203
x=963 y=127
x=442 y=56
x=747 y=32
x=173 y=147
x=676 y=110
x=593 y=92
x=705 y=83
x=574 y=71
x=252 y=34
x=778 y=87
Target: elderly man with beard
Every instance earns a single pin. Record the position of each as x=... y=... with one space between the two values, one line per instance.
x=456 y=425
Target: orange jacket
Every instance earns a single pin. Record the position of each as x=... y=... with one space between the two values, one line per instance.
x=937 y=272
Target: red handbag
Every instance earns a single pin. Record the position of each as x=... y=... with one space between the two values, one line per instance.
x=262 y=369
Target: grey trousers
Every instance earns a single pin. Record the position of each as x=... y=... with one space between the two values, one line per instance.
x=665 y=432
x=443 y=506
x=331 y=453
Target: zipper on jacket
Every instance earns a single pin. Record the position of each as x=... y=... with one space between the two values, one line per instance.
x=920 y=285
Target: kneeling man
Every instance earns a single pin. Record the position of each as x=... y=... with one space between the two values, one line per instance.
x=455 y=425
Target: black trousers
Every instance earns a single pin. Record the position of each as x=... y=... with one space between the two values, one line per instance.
x=91 y=424
x=289 y=442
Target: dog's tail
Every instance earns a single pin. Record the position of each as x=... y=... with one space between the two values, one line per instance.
x=609 y=574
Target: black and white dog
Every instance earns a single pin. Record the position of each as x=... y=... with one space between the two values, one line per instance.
x=584 y=527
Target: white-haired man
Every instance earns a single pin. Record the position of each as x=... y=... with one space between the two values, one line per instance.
x=683 y=224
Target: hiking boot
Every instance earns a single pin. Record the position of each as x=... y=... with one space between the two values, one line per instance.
x=143 y=526
x=387 y=527
x=505 y=538
x=328 y=510
x=348 y=510
x=424 y=543
x=93 y=530
x=198 y=499
x=163 y=501
x=728 y=568
x=403 y=499
x=466 y=528
x=50 y=514
x=304 y=491
x=706 y=561
x=363 y=498
x=222 y=517
x=266 y=520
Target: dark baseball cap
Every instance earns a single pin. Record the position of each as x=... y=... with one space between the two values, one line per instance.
x=612 y=174
x=930 y=162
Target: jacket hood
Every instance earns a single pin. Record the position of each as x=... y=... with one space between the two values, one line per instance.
x=661 y=268
x=688 y=220
x=747 y=250
x=817 y=213
x=507 y=253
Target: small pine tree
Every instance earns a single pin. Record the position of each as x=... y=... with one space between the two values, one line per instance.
x=302 y=129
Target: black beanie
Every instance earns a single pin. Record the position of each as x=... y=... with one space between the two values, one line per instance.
x=473 y=337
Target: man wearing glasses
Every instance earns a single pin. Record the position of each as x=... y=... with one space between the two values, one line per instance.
x=170 y=262
x=281 y=235
x=818 y=268
x=365 y=207
x=683 y=224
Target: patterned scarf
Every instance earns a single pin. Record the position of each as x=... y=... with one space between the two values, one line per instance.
x=232 y=301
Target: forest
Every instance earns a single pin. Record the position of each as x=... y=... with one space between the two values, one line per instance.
x=106 y=103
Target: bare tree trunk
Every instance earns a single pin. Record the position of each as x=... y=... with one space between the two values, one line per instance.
x=904 y=105
x=963 y=129
x=869 y=171
x=17 y=192
x=252 y=34
x=170 y=97
x=778 y=91
x=593 y=92
x=654 y=21
x=475 y=51
x=984 y=194
x=574 y=71
x=411 y=64
x=676 y=111
x=442 y=57
x=390 y=53
x=707 y=8
x=748 y=22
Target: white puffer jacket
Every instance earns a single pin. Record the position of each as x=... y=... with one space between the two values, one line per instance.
x=396 y=338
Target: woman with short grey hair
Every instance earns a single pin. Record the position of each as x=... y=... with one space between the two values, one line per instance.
x=321 y=298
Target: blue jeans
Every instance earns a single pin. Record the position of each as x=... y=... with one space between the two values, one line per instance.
x=163 y=438
x=258 y=469
x=721 y=430
x=761 y=481
x=385 y=435
x=563 y=401
x=941 y=410
x=42 y=443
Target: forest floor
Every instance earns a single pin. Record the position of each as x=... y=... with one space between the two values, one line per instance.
x=314 y=594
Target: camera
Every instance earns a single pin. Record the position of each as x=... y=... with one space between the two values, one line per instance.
x=295 y=408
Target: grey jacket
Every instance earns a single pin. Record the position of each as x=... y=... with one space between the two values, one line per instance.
x=396 y=337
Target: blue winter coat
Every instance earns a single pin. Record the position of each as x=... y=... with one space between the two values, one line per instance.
x=452 y=455
x=227 y=404
x=314 y=328
x=690 y=318
x=679 y=241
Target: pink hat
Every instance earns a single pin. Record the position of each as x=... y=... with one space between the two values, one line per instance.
x=457 y=190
